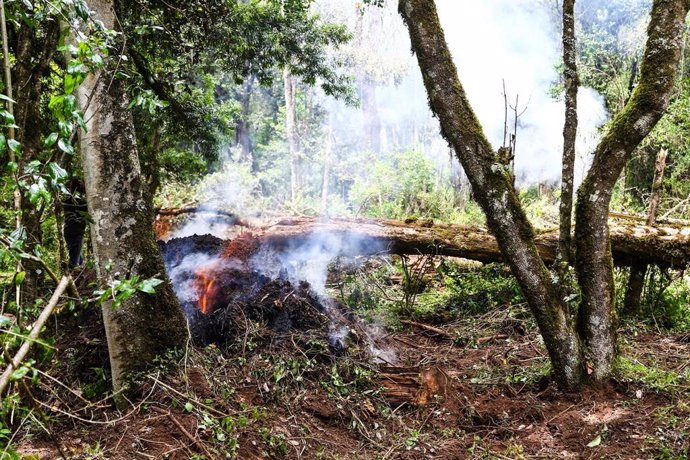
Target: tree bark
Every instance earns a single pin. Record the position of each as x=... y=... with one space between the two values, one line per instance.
x=7 y=67
x=34 y=53
x=144 y=326
x=572 y=83
x=492 y=186
x=242 y=137
x=647 y=104
x=632 y=243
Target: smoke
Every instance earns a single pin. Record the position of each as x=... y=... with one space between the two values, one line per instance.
x=492 y=42
x=308 y=260
x=231 y=189
x=514 y=41
x=183 y=277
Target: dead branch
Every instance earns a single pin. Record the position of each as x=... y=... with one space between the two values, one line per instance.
x=184 y=431
x=426 y=327
x=33 y=335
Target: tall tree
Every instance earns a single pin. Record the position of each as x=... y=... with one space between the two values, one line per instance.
x=290 y=87
x=581 y=349
x=571 y=82
x=145 y=325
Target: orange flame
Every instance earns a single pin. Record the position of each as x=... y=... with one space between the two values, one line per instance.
x=205 y=284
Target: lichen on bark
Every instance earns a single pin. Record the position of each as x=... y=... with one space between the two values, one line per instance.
x=505 y=216
x=144 y=325
x=493 y=189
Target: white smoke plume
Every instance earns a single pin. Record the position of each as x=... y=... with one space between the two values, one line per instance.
x=309 y=260
x=492 y=42
x=232 y=189
x=513 y=41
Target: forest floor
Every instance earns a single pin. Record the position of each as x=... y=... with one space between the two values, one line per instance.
x=473 y=387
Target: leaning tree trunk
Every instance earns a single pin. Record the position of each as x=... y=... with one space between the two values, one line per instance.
x=143 y=326
x=593 y=248
x=492 y=186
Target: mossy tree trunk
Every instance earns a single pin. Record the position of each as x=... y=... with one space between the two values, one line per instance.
x=143 y=326
x=34 y=52
x=571 y=81
x=593 y=248
x=492 y=186
x=577 y=354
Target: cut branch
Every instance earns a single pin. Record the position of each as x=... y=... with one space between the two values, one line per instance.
x=33 y=335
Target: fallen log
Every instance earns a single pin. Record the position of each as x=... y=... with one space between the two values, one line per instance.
x=665 y=246
x=174 y=212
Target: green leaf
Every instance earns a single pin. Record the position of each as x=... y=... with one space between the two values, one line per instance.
x=51 y=140
x=19 y=373
x=65 y=128
x=56 y=101
x=15 y=146
x=188 y=407
x=5 y=320
x=65 y=146
x=71 y=83
x=7 y=98
x=595 y=442
x=19 y=278
x=7 y=117
x=149 y=286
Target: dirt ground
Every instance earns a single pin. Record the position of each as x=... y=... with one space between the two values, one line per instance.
x=447 y=395
x=274 y=384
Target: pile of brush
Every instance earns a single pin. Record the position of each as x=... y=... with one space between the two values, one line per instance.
x=222 y=294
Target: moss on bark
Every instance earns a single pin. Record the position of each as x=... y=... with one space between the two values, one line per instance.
x=492 y=187
x=144 y=326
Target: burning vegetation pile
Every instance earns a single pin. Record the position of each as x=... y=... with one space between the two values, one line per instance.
x=226 y=285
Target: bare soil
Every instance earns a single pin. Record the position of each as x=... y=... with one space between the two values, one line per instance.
x=271 y=395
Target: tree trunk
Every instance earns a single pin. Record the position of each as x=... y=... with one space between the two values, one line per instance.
x=292 y=134
x=570 y=78
x=242 y=137
x=492 y=186
x=632 y=243
x=493 y=189
x=638 y=272
x=144 y=326
x=7 y=68
x=327 y=158
x=34 y=54
x=645 y=107
x=372 y=120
